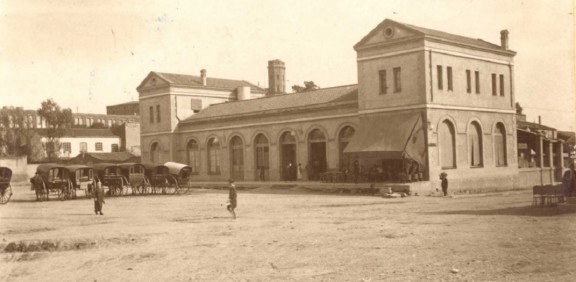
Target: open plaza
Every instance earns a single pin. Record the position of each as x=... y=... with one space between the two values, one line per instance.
x=286 y=234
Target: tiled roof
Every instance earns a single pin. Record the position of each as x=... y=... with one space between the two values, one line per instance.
x=81 y=132
x=127 y=103
x=196 y=81
x=438 y=34
x=568 y=136
x=532 y=126
x=454 y=37
x=114 y=157
x=285 y=101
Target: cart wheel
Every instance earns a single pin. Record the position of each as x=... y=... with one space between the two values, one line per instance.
x=88 y=191
x=62 y=194
x=45 y=192
x=73 y=190
x=5 y=196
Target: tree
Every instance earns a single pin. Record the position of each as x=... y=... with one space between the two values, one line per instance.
x=57 y=122
x=518 y=109
x=15 y=132
x=308 y=86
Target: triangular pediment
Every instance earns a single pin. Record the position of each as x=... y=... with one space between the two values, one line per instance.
x=152 y=80
x=387 y=31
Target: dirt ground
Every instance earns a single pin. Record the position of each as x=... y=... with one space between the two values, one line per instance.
x=286 y=235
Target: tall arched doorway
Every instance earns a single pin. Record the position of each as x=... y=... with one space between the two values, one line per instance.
x=236 y=158
x=500 y=149
x=262 y=158
x=193 y=156
x=343 y=139
x=155 y=150
x=288 y=156
x=447 y=144
x=317 y=153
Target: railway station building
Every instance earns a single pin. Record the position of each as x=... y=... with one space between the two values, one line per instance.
x=426 y=102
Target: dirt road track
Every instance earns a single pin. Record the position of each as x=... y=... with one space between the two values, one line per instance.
x=286 y=236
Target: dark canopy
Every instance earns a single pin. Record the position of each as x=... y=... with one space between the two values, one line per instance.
x=390 y=136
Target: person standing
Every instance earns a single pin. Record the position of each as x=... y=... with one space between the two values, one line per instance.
x=569 y=181
x=444 y=178
x=98 y=197
x=299 y=172
x=232 y=198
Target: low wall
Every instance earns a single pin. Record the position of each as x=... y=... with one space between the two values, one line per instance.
x=21 y=171
x=528 y=177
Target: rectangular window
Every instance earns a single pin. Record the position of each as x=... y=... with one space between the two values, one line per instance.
x=494 y=85
x=383 y=82
x=397 y=81
x=477 y=81
x=67 y=147
x=157 y=113
x=114 y=148
x=468 y=81
x=83 y=147
x=501 y=85
x=440 y=78
x=449 y=77
x=98 y=146
x=151 y=114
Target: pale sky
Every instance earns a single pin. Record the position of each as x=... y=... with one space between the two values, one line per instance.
x=89 y=54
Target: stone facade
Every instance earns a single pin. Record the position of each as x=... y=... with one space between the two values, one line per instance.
x=463 y=89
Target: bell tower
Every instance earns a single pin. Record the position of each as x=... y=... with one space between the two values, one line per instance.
x=276 y=79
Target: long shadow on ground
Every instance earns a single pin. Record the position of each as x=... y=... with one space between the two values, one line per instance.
x=517 y=211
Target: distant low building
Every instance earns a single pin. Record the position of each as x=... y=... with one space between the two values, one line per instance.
x=110 y=157
x=130 y=108
x=74 y=142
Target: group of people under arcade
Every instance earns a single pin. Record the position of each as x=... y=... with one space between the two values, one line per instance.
x=311 y=172
x=405 y=170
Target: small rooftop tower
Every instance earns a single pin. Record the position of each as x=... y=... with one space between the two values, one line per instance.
x=276 y=80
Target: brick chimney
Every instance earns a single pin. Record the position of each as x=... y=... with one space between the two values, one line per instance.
x=504 y=39
x=203 y=76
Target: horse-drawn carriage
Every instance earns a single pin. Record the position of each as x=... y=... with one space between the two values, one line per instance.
x=161 y=181
x=5 y=187
x=136 y=177
x=55 y=179
x=182 y=174
x=82 y=178
x=110 y=175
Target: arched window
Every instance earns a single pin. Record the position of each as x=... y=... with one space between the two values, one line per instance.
x=475 y=145
x=262 y=158
x=237 y=158
x=214 y=156
x=317 y=152
x=500 y=145
x=447 y=144
x=343 y=138
x=193 y=154
x=155 y=152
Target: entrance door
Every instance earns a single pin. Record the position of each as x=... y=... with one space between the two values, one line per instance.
x=317 y=153
x=237 y=154
x=288 y=156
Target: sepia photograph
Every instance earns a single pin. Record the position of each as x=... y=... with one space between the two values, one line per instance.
x=376 y=140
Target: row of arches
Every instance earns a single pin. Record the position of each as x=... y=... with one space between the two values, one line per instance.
x=475 y=144
x=287 y=157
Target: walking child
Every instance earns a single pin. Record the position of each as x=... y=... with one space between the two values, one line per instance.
x=232 y=198
x=98 y=198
